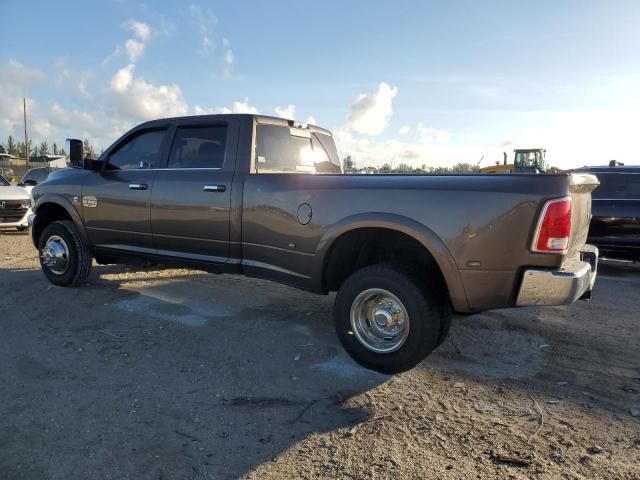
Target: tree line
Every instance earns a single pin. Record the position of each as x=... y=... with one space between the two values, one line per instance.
x=17 y=148
x=386 y=168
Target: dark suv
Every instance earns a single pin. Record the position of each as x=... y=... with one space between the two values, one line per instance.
x=615 y=226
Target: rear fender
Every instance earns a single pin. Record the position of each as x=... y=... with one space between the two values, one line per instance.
x=425 y=236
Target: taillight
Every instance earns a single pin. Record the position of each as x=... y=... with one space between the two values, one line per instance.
x=554 y=227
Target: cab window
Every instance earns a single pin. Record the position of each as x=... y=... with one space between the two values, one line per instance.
x=141 y=151
x=198 y=147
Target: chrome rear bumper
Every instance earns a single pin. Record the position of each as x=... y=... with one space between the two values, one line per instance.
x=572 y=282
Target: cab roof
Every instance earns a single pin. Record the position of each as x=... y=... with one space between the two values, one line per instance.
x=260 y=119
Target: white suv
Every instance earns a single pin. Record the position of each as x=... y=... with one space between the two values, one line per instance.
x=15 y=206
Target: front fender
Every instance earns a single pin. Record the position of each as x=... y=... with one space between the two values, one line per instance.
x=60 y=201
x=421 y=233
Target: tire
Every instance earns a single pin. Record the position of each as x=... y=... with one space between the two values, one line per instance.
x=409 y=298
x=65 y=241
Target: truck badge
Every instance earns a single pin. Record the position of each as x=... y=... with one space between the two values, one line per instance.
x=89 y=201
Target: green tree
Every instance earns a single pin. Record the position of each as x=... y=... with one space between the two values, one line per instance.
x=43 y=149
x=347 y=164
x=54 y=148
x=21 y=151
x=11 y=146
x=89 y=151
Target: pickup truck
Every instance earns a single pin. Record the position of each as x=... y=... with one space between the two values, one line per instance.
x=266 y=197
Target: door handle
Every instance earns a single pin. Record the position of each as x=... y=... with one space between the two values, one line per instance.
x=138 y=186
x=214 y=188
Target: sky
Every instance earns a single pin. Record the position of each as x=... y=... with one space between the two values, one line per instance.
x=418 y=82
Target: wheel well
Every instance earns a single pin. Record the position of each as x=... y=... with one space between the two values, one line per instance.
x=47 y=213
x=367 y=246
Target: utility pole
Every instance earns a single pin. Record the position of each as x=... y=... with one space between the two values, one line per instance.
x=26 y=136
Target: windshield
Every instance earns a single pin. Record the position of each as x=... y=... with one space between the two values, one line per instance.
x=4 y=182
x=531 y=159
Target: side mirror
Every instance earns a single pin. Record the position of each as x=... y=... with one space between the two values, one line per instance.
x=76 y=154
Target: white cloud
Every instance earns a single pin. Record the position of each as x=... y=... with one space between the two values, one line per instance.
x=134 y=47
x=205 y=22
x=366 y=151
x=228 y=53
x=404 y=129
x=140 y=29
x=238 y=107
x=15 y=84
x=139 y=100
x=72 y=79
x=16 y=74
x=432 y=135
x=198 y=110
x=75 y=118
x=289 y=112
x=370 y=112
x=228 y=58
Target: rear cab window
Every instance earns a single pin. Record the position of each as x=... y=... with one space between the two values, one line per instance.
x=283 y=149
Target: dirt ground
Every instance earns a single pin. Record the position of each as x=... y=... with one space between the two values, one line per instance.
x=174 y=374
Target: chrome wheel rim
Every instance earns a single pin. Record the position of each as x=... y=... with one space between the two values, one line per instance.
x=379 y=320
x=55 y=255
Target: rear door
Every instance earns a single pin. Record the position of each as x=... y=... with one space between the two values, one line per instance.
x=191 y=198
x=115 y=201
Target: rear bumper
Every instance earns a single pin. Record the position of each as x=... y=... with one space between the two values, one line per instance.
x=573 y=281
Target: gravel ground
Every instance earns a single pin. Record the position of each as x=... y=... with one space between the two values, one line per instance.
x=175 y=374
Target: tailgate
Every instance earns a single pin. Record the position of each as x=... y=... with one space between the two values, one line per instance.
x=580 y=188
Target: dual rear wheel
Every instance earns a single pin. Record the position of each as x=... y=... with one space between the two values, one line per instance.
x=389 y=320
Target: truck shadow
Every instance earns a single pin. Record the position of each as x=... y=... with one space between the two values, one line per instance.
x=113 y=369
x=175 y=374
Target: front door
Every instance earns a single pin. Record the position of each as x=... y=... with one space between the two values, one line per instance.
x=191 y=197
x=116 y=200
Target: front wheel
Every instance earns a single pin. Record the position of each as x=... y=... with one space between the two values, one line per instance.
x=387 y=320
x=65 y=259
